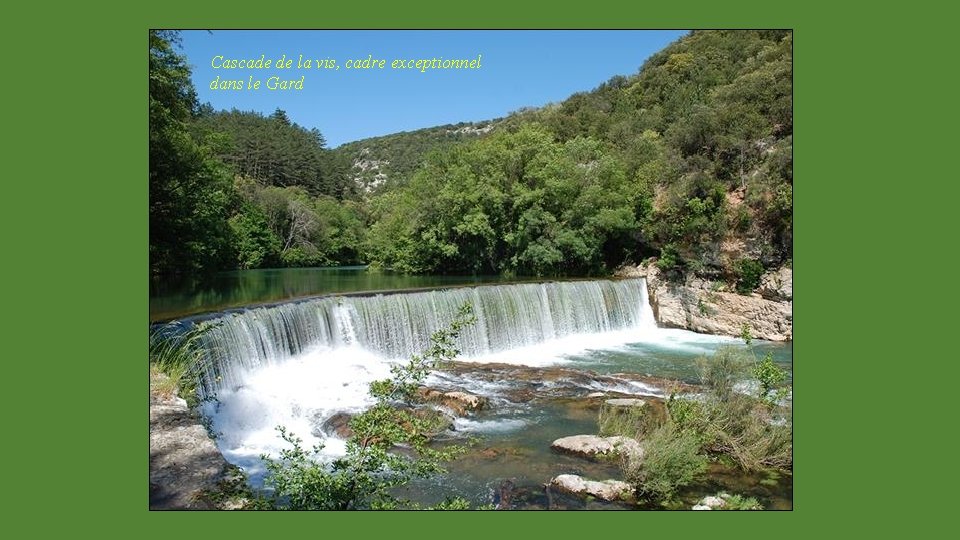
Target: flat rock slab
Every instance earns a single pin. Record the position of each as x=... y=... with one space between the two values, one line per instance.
x=625 y=402
x=607 y=490
x=582 y=445
x=591 y=446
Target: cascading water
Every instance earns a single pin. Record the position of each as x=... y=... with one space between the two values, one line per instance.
x=397 y=326
x=299 y=364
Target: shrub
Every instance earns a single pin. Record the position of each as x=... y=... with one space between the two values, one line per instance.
x=742 y=220
x=770 y=377
x=635 y=422
x=177 y=353
x=671 y=263
x=739 y=502
x=686 y=413
x=746 y=429
x=749 y=271
x=720 y=372
x=745 y=333
x=672 y=459
x=753 y=433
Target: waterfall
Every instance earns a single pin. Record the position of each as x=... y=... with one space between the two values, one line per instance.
x=396 y=326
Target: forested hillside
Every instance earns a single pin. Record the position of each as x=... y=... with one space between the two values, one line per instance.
x=689 y=160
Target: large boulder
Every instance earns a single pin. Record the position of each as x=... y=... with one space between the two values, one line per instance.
x=337 y=425
x=607 y=490
x=631 y=271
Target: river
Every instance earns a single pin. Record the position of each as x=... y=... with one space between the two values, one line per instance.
x=299 y=353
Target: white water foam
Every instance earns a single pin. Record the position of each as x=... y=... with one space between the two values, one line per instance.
x=502 y=425
x=636 y=388
x=302 y=392
x=559 y=351
x=298 y=394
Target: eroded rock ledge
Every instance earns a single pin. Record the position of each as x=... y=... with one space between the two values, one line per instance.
x=706 y=307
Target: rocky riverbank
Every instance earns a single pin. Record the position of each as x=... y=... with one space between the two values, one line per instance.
x=187 y=471
x=712 y=307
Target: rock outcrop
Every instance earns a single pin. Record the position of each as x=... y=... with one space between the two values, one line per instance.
x=185 y=464
x=458 y=402
x=607 y=490
x=777 y=284
x=707 y=307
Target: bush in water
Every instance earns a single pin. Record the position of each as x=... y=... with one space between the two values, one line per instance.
x=771 y=377
x=756 y=433
x=671 y=460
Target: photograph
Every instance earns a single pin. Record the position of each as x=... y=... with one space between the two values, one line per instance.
x=470 y=269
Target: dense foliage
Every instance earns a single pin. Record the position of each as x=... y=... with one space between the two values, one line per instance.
x=190 y=191
x=274 y=151
x=689 y=160
x=237 y=189
x=515 y=202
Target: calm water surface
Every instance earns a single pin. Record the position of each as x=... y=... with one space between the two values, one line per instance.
x=172 y=300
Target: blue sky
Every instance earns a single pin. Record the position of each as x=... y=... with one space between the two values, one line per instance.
x=518 y=69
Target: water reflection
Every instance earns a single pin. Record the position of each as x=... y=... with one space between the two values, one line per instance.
x=170 y=299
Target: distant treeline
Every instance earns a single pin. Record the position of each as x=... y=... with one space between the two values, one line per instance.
x=689 y=160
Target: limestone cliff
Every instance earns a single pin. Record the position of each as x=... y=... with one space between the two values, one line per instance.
x=712 y=308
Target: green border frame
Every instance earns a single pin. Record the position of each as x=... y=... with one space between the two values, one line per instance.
x=75 y=228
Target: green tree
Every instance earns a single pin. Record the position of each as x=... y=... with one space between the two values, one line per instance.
x=256 y=245
x=749 y=272
x=514 y=202
x=191 y=195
